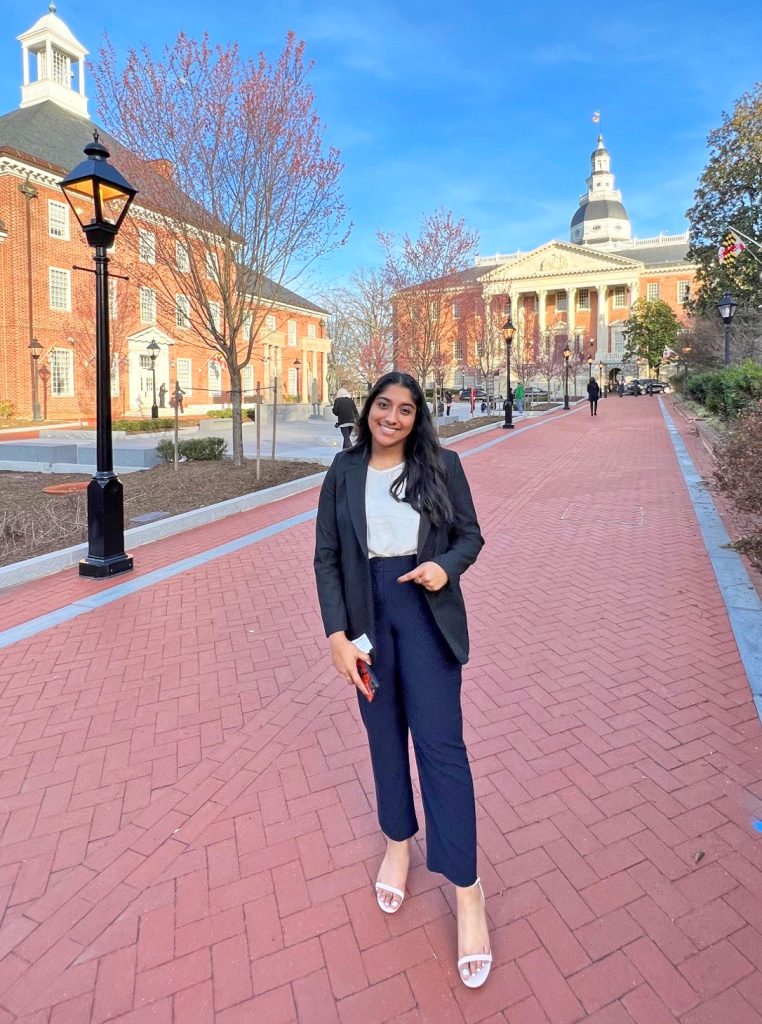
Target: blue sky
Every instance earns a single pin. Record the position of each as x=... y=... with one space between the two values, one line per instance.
x=482 y=108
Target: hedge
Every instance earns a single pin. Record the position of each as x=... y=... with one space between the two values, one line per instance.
x=227 y=414
x=144 y=426
x=727 y=392
x=199 y=449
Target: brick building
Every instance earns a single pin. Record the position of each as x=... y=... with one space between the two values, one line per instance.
x=578 y=293
x=44 y=296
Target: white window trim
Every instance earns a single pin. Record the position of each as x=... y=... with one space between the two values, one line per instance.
x=562 y=302
x=214 y=378
x=619 y=292
x=69 y=362
x=146 y=291
x=53 y=204
x=182 y=312
x=185 y=375
x=147 y=251
x=292 y=333
x=182 y=257
x=310 y=330
x=247 y=380
x=270 y=322
x=652 y=291
x=683 y=290
x=66 y=307
x=583 y=298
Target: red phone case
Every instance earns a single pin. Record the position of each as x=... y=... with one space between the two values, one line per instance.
x=369 y=681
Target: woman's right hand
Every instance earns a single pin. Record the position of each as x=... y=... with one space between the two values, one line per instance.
x=345 y=655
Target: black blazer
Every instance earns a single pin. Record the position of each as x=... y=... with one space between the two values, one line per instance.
x=341 y=551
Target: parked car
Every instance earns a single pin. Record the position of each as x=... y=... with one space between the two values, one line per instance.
x=479 y=394
x=657 y=386
x=538 y=394
x=632 y=387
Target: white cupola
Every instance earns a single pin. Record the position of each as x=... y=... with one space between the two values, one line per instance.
x=56 y=60
x=601 y=219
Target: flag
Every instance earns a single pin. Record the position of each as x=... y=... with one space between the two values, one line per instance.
x=732 y=245
x=596 y=116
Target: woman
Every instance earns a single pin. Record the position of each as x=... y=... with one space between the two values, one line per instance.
x=593 y=394
x=345 y=411
x=396 y=529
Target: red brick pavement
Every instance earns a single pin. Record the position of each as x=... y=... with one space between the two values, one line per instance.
x=186 y=805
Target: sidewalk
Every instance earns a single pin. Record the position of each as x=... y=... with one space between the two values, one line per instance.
x=186 y=805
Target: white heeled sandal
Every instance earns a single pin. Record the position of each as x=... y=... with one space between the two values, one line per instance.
x=394 y=906
x=475 y=980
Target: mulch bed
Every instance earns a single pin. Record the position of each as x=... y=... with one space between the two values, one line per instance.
x=33 y=522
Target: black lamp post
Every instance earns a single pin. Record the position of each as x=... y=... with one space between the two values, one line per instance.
x=297 y=367
x=590 y=362
x=686 y=353
x=35 y=349
x=601 y=365
x=100 y=198
x=726 y=307
x=154 y=349
x=567 y=357
x=508 y=332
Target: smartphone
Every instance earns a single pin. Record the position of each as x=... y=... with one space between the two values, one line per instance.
x=368 y=679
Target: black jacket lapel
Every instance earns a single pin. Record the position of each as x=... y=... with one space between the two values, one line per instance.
x=357 y=472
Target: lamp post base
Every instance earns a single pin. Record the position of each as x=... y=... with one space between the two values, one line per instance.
x=154 y=412
x=508 y=425
x=105 y=528
x=101 y=568
x=566 y=402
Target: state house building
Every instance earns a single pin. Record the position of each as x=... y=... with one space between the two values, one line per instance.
x=578 y=292
x=45 y=299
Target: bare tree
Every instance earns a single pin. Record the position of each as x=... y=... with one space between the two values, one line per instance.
x=243 y=189
x=422 y=274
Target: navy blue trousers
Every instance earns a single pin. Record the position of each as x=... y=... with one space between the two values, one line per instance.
x=419 y=695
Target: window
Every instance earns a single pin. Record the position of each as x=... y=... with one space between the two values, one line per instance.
x=58 y=219
x=456 y=311
x=114 y=376
x=61 y=373
x=292 y=336
x=619 y=296
x=113 y=299
x=215 y=315
x=147 y=246
x=182 y=312
x=457 y=350
x=212 y=266
x=683 y=291
x=561 y=302
x=59 y=282
x=270 y=321
x=292 y=382
x=215 y=378
x=652 y=290
x=61 y=69
x=583 y=298
x=182 y=257
x=246 y=326
x=434 y=311
x=310 y=330
x=147 y=306
x=184 y=375
x=247 y=380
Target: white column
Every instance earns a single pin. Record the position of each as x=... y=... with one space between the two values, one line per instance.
x=25 y=58
x=324 y=391
x=602 y=332
x=542 y=298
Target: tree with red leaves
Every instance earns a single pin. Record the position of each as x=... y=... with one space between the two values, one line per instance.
x=422 y=274
x=252 y=197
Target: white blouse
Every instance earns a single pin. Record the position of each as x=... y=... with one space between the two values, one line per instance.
x=392 y=525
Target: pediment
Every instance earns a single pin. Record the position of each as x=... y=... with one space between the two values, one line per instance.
x=148 y=334
x=555 y=259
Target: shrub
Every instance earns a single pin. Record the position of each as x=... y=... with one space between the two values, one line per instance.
x=7 y=408
x=144 y=426
x=738 y=461
x=729 y=391
x=199 y=449
x=227 y=414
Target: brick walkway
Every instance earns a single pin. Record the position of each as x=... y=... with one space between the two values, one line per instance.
x=186 y=810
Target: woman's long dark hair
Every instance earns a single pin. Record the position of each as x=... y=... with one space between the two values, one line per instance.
x=423 y=480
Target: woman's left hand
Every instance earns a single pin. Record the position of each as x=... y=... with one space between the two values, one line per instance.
x=429 y=575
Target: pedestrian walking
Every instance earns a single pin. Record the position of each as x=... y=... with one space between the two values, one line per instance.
x=593 y=394
x=519 y=397
x=140 y=405
x=620 y=388
x=395 y=531
x=314 y=398
x=345 y=411
x=162 y=396
x=448 y=401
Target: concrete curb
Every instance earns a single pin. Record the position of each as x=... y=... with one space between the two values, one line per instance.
x=55 y=561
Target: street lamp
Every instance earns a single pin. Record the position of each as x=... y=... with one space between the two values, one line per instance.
x=686 y=353
x=590 y=361
x=35 y=349
x=601 y=365
x=297 y=367
x=100 y=198
x=154 y=349
x=567 y=357
x=726 y=307
x=508 y=332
